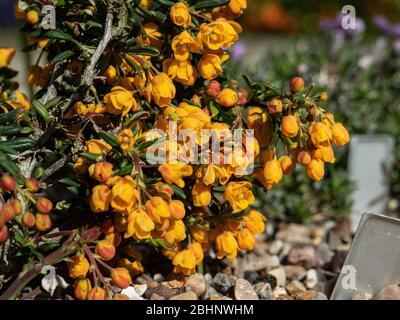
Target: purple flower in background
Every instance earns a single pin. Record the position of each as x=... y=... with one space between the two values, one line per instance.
x=335 y=25
x=388 y=28
x=396 y=47
x=238 y=51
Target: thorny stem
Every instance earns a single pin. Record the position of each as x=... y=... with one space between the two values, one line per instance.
x=69 y=247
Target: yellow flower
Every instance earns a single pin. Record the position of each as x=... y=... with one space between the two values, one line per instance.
x=173 y=173
x=254 y=221
x=140 y=225
x=246 y=239
x=101 y=171
x=120 y=101
x=6 y=55
x=176 y=232
x=180 y=71
x=180 y=15
x=100 y=199
x=227 y=98
x=325 y=154
x=21 y=101
x=321 y=134
x=157 y=208
x=42 y=43
x=201 y=235
x=97 y=293
x=287 y=165
x=315 y=170
x=124 y=194
x=220 y=33
x=208 y=174
x=153 y=36
x=78 y=267
x=191 y=117
x=105 y=250
x=97 y=146
x=177 y=209
x=201 y=195
x=182 y=45
x=290 y=126
x=272 y=173
x=258 y=120
x=161 y=89
x=80 y=166
x=239 y=195
x=340 y=135
x=303 y=157
x=186 y=260
x=111 y=74
x=237 y=6
x=146 y=3
x=82 y=288
x=134 y=267
x=210 y=66
x=227 y=245
x=126 y=140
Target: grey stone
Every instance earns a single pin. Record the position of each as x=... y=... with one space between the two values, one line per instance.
x=263 y=290
x=304 y=255
x=323 y=253
x=258 y=263
x=295 y=272
x=312 y=279
x=320 y=296
x=307 y=295
x=278 y=292
x=223 y=283
x=244 y=290
x=196 y=283
x=295 y=287
x=161 y=290
x=280 y=275
x=156 y=296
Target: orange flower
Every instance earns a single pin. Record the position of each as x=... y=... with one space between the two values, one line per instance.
x=173 y=173
x=78 y=267
x=105 y=250
x=82 y=288
x=246 y=239
x=315 y=170
x=97 y=293
x=239 y=195
x=180 y=15
x=227 y=98
x=139 y=225
x=101 y=171
x=121 y=278
x=126 y=140
x=100 y=199
x=226 y=245
x=42 y=222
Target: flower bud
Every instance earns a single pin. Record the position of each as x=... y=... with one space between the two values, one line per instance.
x=290 y=126
x=227 y=98
x=82 y=288
x=272 y=173
x=323 y=96
x=275 y=105
x=246 y=239
x=315 y=170
x=340 y=135
x=8 y=212
x=43 y=222
x=121 y=278
x=32 y=185
x=7 y=183
x=303 y=158
x=177 y=209
x=28 y=219
x=78 y=267
x=213 y=88
x=3 y=234
x=287 y=165
x=297 y=84
x=32 y=17
x=97 y=293
x=101 y=171
x=114 y=237
x=105 y=250
x=16 y=206
x=180 y=15
x=44 y=205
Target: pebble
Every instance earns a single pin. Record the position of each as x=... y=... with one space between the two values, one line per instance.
x=223 y=283
x=275 y=247
x=324 y=254
x=295 y=272
x=391 y=292
x=161 y=290
x=156 y=296
x=304 y=256
x=295 y=287
x=320 y=296
x=280 y=275
x=140 y=289
x=312 y=278
x=279 y=291
x=190 y=295
x=263 y=290
x=244 y=290
x=362 y=296
x=251 y=276
x=308 y=295
x=294 y=233
x=173 y=284
x=258 y=263
x=196 y=283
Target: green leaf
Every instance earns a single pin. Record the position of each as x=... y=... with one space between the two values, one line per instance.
x=207 y=4
x=70 y=182
x=41 y=111
x=10 y=116
x=178 y=191
x=124 y=171
x=62 y=56
x=91 y=156
x=21 y=144
x=11 y=129
x=109 y=138
x=59 y=35
x=144 y=51
x=165 y=3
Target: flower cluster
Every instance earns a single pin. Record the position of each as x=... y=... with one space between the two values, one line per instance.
x=114 y=115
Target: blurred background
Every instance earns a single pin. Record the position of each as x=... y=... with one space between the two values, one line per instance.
x=357 y=68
